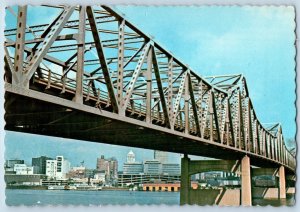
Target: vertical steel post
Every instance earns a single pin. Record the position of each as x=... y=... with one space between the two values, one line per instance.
x=186 y=103
x=120 y=64
x=149 y=85
x=80 y=56
x=265 y=145
x=170 y=92
x=257 y=138
x=249 y=127
x=20 y=44
x=211 y=114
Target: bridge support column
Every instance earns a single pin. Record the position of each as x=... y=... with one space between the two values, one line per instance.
x=282 y=187
x=246 y=182
x=185 y=182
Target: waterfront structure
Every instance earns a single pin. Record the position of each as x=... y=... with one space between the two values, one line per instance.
x=161 y=156
x=23 y=169
x=109 y=166
x=139 y=179
x=165 y=186
x=21 y=179
x=51 y=168
x=39 y=164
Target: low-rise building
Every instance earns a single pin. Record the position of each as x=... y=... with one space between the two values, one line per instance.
x=28 y=179
x=165 y=186
x=76 y=172
x=23 y=169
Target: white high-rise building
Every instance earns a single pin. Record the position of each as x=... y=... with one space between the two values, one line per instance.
x=57 y=168
x=51 y=166
x=130 y=157
x=63 y=167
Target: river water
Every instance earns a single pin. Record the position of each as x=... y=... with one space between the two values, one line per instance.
x=61 y=197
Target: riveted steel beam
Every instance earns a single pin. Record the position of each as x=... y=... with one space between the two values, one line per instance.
x=160 y=89
x=194 y=106
x=149 y=86
x=170 y=90
x=120 y=62
x=135 y=75
x=19 y=45
x=102 y=59
x=179 y=95
x=216 y=117
x=80 y=55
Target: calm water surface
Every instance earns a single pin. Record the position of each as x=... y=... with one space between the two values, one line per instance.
x=50 y=197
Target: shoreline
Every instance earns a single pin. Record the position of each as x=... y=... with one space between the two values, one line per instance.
x=25 y=187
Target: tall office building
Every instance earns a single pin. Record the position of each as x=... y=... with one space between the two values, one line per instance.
x=131 y=166
x=58 y=168
x=109 y=166
x=63 y=167
x=39 y=164
x=161 y=156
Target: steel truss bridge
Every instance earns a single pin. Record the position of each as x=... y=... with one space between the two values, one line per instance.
x=90 y=74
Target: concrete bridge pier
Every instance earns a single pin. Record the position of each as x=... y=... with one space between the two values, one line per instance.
x=282 y=186
x=278 y=192
x=185 y=181
x=246 y=194
x=220 y=196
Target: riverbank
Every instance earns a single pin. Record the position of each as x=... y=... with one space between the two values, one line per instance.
x=30 y=187
x=27 y=187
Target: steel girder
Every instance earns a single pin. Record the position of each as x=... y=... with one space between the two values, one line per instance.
x=104 y=61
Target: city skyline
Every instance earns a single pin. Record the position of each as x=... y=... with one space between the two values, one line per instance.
x=90 y=151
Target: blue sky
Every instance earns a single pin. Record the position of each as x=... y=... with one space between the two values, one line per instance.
x=212 y=40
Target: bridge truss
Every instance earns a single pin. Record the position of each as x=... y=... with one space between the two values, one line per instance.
x=93 y=56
